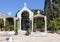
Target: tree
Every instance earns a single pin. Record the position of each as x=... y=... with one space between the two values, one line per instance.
x=35 y=11
x=53 y=25
x=52 y=10
x=56 y=8
x=48 y=9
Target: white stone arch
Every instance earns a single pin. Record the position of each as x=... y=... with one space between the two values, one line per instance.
x=39 y=15
x=37 y=33
x=25 y=8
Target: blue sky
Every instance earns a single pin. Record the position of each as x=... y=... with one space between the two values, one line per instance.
x=14 y=5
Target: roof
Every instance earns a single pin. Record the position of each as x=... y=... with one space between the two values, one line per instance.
x=39 y=15
x=2 y=16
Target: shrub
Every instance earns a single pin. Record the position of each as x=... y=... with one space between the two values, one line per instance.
x=43 y=29
x=53 y=25
x=11 y=27
x=28 y=32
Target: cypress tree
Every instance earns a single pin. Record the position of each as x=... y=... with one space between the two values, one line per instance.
x=56 y=8
x=48 y=11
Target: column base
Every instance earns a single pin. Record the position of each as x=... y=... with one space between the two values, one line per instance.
x=38 y=33
x=22 y=32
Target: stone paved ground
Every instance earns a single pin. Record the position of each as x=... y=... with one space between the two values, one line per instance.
x=22 y=38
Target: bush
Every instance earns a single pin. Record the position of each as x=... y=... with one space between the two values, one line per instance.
x=43 y=29
x=28 y=32
x=11 y=27
x=53 y=25
x=58 y=22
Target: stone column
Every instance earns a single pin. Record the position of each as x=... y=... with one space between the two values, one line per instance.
x=32 y=24
x=20 y=23
x=45 y=23
x=4 y=22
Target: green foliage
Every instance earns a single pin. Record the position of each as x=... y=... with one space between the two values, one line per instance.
x=53 y=25
x=28 y=32
x=16 y=23
x=1 y=23
x=25 y=20
x=43 y=29
x=35 y=11
x=9 y=24
x=56 y=8
x=39 y=23
x=52 y=11
x=34 y=28
x=11 y=27
x=58 y=22
x=48 y=11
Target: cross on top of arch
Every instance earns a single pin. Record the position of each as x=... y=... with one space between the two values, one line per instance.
x=9 y=13
x=25 y=5
x=38 y=12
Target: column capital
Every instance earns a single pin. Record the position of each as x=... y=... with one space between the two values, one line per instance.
x=14 y=19
x=4 y=19
x=30 y=18
x=20 y=17
x=45 y=17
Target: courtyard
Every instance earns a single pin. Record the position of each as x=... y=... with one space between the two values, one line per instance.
x=28 y=22
x=22 y=38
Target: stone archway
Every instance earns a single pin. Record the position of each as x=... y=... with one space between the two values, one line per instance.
x=38 y=33
x=30 y=15
x=38 y=24
x=24 y=20
x=45 y=20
